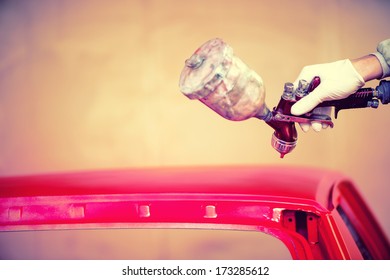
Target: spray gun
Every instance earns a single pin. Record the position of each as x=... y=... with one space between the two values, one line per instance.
x=220 y=80
x=284 y=138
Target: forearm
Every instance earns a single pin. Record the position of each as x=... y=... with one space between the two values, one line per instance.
x=375 y=65
x=368 y=67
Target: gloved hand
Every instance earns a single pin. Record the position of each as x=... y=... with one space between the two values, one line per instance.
x=338 y=80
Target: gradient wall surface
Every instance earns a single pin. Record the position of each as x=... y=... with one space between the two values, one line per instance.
x=94 y=85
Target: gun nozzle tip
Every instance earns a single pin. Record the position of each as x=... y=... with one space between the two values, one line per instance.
x=281 y=146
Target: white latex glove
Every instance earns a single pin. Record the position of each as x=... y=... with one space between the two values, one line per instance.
x=339 y=79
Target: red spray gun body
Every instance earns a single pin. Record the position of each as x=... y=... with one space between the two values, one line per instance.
x=220 y=80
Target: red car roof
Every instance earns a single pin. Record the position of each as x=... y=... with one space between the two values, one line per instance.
x=301 y=206
x=279 y=181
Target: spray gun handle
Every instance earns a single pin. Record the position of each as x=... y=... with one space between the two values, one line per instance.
x=363 y=98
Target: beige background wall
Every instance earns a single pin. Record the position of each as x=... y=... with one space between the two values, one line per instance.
x=94 y=85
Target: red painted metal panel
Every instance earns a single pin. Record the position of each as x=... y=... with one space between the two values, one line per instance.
x=292 y=204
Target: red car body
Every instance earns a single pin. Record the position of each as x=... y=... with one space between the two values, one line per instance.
x=316 y=213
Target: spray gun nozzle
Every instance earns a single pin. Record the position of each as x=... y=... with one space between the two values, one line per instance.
x=283 y=147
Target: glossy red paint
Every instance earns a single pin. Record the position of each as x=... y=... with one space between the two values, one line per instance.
x=318 y=214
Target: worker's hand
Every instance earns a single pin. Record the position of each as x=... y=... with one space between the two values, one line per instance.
x=338 y=80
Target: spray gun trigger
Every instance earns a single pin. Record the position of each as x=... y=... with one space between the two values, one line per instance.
x=323 y=119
